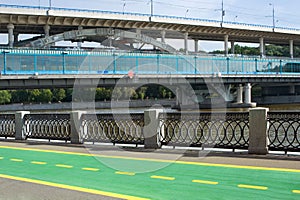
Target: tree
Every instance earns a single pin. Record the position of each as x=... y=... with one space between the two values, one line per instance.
x=19 y=96
x=5 y=97
x=58 y=94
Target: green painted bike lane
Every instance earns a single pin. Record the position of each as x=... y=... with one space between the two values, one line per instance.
x=178 y=180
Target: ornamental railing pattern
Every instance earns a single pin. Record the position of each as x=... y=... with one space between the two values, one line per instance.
x=284 y=131
x=220 y=130
x=47 y=126
x=7 y=125
x=113 y=128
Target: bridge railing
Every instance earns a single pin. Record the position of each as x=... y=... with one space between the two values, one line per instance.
x=231 y=130
x=16 y=61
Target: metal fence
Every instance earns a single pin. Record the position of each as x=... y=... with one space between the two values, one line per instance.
x=7 y=125
x=18 y=61
x=113 y=128
x=47 y=126
x=221 y=130
x=284 y=131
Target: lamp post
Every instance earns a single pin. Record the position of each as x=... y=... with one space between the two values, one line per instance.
x=186 y=12
x=50 y=4
x=124 y=4
x=4 y=61
x=273 y=14
x=64 y=61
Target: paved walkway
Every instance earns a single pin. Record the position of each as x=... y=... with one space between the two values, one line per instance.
x=105 y=172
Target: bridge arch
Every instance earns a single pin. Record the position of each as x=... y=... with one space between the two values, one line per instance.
x=106 y=36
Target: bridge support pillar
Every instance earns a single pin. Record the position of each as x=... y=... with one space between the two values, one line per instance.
x=79 y=43
x=261 y=47
x=292 y=48
x=196 y=45
x=10 y=28
x=186 y=47
x=258 y=126
x=47 y=30
x=163 y=36
x=239 y=98
x=16 y=37
x=232 y=48
x=248 y=93
x=151 y=129
x=19 y=119
x=226 y=37
x=76 y=137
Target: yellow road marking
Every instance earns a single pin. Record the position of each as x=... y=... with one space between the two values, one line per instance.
x=125 y=173
x=38 y=163
x=158 y=160
x=205 y=182
x=253 y=187
x=64 y=166
x=90 y=169
x=75 y=188
x=164 y=178
x=16 y=160
x=296 y=191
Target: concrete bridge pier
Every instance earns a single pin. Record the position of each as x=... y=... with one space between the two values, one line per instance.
x=239 y=99
x=248 y=95
x=10 y=28
x=185 y=97
x=186 y=47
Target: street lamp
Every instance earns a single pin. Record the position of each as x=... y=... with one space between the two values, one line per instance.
x=124 y=4
x=64 y=61
x=4 y=61
x=273 y=14
x=50 y=4
x=186 y=12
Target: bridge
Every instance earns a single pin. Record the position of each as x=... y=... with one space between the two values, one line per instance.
x=131 y=30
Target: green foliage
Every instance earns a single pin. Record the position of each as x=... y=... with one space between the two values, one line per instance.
x=58 y=94
x=5 y=97
x=19 y=96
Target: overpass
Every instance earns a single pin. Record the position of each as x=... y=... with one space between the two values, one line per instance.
x=29 y=68
x=52 y=23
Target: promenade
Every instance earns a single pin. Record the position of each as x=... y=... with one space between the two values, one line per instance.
x=39 y=170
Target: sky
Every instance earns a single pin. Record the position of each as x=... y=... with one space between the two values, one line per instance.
x=286 y=12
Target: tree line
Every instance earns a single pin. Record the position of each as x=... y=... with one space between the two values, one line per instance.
x=271 y=50
x=97 y=94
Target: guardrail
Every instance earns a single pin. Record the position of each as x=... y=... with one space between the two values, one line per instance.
x=20 y=61
x=257 y=130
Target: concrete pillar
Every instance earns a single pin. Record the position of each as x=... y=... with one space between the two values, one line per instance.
x=258 y=126
x=232 y=47
x=152 y=129
x=76 y=123
x=16 y=37
x=10 y=28
x=239 y=98
x=186 y=47
x=163 y=36
x=226 y=44
x=47 y=30
x=292 y=48
x=261 y=47
x=79 y=43
x=248 y=93
x=196 y=46
x=19 y=120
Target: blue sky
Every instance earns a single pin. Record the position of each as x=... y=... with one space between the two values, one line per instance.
x=287 y=13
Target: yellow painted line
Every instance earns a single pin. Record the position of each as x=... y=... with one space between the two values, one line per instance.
x=296 y=191
x=205 y=182
x=159 y=160
x=16 y=160
x=64 y=166
x=125 y=173
x=164 y=178
x=90 y=169
x=253 y=187
x=38 y=163
x=75 y=188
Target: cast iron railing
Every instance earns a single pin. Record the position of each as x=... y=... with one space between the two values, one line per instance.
x=47 y=126
x=7 y=125
x=220 y=130
x=284 y=131
x=113 y=128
